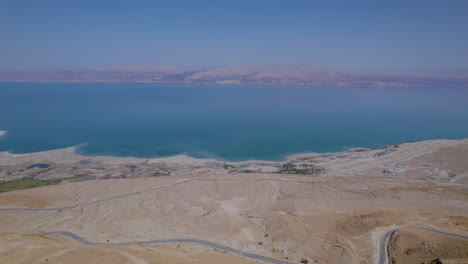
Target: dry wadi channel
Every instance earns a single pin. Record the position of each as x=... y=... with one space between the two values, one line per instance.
x=405 y=203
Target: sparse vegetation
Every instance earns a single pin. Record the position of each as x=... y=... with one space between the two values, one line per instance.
x=57 y=181
x=304 y=261
x=304 y=169
x=25 y=183
x=161 y=172
x=132 y=168
x=227 y=166
x=77 y=177
x=207 y=213
x=387 y=149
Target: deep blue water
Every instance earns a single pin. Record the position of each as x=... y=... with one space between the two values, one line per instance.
x=225 y=122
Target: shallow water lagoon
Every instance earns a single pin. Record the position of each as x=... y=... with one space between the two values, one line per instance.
x=221 y=121
x=39 y=165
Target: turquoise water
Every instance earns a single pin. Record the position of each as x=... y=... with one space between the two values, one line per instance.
x=223 y=122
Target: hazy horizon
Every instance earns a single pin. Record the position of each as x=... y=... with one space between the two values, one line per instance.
x=369 y=36
x=200 y=67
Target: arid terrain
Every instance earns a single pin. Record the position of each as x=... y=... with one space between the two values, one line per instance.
x=405 y=203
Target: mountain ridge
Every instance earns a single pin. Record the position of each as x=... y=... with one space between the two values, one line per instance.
x=296 y=75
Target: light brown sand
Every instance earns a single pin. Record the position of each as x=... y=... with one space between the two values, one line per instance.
x=54 y=249
x=408 y=246
x=326 y=222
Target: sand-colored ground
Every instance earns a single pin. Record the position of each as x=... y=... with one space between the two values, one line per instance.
x=338 y=216
x=408 y=246
x=55 y=249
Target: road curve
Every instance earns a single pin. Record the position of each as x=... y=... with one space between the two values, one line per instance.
x=186 y=181
x=383 y=254
x=175 y=240
x=383 y=244
x=382 y=259
x=383 y=249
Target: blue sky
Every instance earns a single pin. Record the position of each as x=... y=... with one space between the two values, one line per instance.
x=365 y=35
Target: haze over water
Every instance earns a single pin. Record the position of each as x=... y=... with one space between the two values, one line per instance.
x=223 y=122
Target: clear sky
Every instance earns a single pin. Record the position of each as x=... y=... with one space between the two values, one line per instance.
x=370 y=35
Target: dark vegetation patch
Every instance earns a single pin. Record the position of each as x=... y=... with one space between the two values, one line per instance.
x=387 y=149
x=360 y=150
x=248 y=171
x=160 y=172
x=303 y=169
x=132 y=168
x=25 y=183
x=77 y=177
x=227 y=166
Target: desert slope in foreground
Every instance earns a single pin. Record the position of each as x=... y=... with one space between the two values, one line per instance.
x=315 y=208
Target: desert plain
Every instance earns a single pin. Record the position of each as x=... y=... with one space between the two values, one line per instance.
x=404 y=203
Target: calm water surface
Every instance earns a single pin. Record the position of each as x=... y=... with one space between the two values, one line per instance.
x=224 y=122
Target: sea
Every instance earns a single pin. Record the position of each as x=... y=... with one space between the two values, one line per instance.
x=225 y=122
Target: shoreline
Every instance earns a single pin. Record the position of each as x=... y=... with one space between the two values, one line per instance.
x=67 y=164
x=359 y=192
x=284 y=158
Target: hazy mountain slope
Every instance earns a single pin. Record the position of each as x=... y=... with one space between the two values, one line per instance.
x=304 y=75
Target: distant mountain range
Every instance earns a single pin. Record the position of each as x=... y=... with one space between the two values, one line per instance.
x=297 y=75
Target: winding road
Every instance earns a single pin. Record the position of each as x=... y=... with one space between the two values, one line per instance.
x=383 y=243
x=382 y=259
x=383 y=248
x=175 y=240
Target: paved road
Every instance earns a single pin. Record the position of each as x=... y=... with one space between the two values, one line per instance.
x=192 y=180
x=175 y=240
x=383 y=246
x=383 y=255
x=382 y=259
